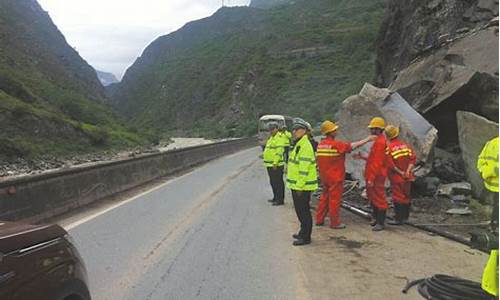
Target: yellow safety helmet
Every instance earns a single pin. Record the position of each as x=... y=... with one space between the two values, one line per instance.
x=327 y=127
x=391 y=131
x=377 y=122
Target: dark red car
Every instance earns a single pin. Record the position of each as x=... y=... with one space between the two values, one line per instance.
x=40 y=262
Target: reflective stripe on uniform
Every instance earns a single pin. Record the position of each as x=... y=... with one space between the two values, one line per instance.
x=306 y=159
x=328 y=154
x=327 y=150
x=312 y=182
x=305 y=173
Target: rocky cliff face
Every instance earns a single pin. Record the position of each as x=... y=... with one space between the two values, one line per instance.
x=442 y=57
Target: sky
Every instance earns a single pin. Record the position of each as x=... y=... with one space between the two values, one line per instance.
x=111 y=34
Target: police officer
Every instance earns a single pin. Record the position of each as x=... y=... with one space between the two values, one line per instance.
x=302 y=179
x=273 y=161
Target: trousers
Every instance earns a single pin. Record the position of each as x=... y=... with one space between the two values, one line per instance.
x=277 y=183
x=302 y=206
x=376 y=193
x=329 y=202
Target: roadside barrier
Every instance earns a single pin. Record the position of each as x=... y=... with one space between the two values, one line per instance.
x=34 y=198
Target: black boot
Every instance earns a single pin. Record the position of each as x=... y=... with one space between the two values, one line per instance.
x=406 y=212
x=374 y=216
x=398 y=215
x=380 y=221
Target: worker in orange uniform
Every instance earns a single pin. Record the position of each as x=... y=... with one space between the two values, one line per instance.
x=331 y=162
x=401 y=161
x=376 y=173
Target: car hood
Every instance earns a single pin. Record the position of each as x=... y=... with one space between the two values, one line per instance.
x=17 y=235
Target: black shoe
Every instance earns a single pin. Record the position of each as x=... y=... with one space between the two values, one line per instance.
x=278 y=203
x=296 y=236
x=373 y=223
x=301 y=242
x=320 y=224
x=271 y=200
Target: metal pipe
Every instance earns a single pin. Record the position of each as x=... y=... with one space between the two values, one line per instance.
x=360 y=212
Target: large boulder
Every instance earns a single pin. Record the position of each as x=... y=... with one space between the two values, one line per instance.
x=356 y=112
x=460 y=75
x=412 y=29
x=473 y=132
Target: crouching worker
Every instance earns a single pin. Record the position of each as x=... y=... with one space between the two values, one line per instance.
x=331 y=162
x=302 y=179
x=401 y=161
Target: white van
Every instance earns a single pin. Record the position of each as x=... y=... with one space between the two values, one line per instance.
x=263 y=133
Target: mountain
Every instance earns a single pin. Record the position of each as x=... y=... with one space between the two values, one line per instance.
x=216 y=76
x=106 y=78
x=51 y=101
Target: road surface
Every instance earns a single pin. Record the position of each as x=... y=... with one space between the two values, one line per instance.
x=210 y=234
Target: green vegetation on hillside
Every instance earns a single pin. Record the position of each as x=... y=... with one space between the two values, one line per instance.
x=216 y=76
x=51 y=101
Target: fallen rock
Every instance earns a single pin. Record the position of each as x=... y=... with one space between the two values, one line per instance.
x=447 y=166
x=426 y=186
x=473 y=133
x=453 y=189
x=459 y=211
x=356 y=112
x=462 y=75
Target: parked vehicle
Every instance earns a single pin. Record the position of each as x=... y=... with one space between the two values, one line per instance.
x=40 y=262
x=263 y=130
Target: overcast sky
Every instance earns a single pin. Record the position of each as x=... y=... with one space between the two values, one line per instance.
x=111 y=34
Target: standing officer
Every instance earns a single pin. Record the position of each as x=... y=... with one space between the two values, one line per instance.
x=331 y=163
x=400 y=166
x=273 y=161
x=487 y=165
x=286 y=140
x=302 y=179
x=376 y=173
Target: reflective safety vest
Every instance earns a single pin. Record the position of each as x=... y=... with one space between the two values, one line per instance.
x=489 y=282
x=273 y=152
x=302 y=174
x=400 y=156
x=283 y=138
x=487 y=164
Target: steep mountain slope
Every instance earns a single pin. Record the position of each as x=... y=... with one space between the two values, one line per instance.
x=51 y=101
x=215 y=76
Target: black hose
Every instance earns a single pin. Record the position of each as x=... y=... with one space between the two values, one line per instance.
x=444 y=287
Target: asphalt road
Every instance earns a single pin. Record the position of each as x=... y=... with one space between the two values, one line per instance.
x=210 y=234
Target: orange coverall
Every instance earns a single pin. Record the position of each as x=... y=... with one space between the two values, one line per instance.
x=376 y=173
x=400 y=156
x=331 y=163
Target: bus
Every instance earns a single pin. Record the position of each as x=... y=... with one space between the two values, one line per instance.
x=263 y=130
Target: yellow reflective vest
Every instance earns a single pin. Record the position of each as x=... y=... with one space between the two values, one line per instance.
x=302 y=174
x=273 y=152
x=490 y=274
x=487 y=164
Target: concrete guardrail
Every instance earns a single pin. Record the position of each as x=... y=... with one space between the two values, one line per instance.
x=34 y=198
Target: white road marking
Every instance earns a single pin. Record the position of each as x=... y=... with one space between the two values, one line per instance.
x=97 y=214
x=101 y=212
